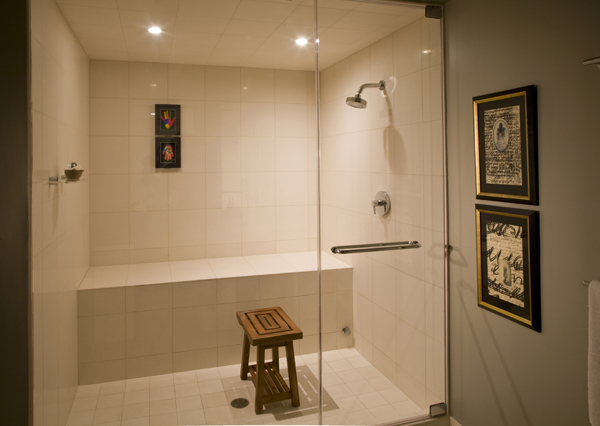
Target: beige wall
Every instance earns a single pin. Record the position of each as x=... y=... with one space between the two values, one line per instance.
x=60 y=213
x=503 y=373
x=395 y=144
x=248 y=167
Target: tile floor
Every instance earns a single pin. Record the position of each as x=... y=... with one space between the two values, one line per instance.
x=355 y=393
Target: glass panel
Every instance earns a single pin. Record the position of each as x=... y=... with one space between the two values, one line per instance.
x=381 y=146
x=143 y=327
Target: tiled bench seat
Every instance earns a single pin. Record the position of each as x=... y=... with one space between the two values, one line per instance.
x=157 y=318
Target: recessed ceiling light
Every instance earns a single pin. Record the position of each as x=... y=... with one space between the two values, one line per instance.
x=154 y=30
x=301 y=41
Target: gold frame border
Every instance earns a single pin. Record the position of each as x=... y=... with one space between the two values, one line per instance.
x=479 y=268
x=476 y=122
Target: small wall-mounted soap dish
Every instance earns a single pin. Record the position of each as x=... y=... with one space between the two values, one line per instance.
x=72 y=175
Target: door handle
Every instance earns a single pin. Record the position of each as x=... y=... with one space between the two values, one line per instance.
x=365 y=248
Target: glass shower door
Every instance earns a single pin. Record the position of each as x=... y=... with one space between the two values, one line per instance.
x=382 y=211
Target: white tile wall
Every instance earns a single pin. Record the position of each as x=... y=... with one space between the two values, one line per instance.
x=245 y=157
x=60 y=214
x=396 y=144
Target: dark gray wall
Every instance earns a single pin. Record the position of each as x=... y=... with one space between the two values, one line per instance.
x=503 y=373
x=14 y=217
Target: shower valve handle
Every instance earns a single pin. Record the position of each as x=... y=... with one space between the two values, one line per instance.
x=377 y=203
x=382 y=199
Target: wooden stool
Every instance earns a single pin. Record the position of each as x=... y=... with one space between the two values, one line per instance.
x=269 y=328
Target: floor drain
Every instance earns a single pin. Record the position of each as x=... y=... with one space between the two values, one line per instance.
x=240 y=403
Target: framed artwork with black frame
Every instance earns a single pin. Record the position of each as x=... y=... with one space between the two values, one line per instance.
x=508 y=252
x=167 y=153
x=506 y=145
x=167 y=120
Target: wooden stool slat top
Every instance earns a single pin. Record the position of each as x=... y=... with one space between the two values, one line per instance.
x=268 y=326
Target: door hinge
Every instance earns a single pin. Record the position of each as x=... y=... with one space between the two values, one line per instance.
x=435 y=12
x=437 y=410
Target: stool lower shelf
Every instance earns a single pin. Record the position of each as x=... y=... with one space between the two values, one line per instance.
x=275 y=388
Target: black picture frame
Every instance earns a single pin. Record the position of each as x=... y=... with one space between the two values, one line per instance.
x=506 y=145
x=167 y=120
x=508 y=253
x=167 y=153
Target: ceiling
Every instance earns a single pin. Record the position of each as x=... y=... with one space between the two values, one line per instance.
x=249 y=33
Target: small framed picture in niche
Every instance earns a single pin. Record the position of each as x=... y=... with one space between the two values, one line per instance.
x=167 y=119
x=168 y=153
x=508 y=260
x=506 y=146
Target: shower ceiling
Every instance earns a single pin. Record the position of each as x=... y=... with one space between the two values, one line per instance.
x=249 y=33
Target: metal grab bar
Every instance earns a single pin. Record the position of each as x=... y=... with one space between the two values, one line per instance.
x=364 y=248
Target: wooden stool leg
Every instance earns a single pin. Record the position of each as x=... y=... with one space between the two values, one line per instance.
x=275 y=351
x=260 y=379
x=291 y=366
x=245 y=358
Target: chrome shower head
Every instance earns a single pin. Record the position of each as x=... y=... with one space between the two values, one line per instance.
x=356 y=102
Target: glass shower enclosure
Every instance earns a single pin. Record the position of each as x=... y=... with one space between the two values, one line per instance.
x=312 y=179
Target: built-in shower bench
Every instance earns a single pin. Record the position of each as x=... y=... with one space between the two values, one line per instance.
x=156 y=318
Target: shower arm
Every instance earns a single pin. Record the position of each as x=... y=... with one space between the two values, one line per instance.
x=380 y=86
